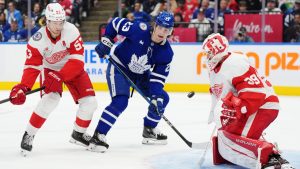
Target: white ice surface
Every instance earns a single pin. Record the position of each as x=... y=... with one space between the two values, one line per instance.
x=189 y=115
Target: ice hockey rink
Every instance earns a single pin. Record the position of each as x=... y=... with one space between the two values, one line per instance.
x=52 y=150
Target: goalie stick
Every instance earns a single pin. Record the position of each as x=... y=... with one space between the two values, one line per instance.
x=189 y=143
x=27 y=93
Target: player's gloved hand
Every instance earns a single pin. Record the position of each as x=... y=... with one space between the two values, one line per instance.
x=103 y=48
x=17 y=94
x=53 y=82
x=231 y=107
x=156 y=104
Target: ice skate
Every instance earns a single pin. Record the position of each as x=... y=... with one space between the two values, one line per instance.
x=26 y=144
x=277 y=162
x=81 y=139
x=153 y=136
x=98 y=143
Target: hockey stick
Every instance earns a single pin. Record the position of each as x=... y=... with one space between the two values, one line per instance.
x=27 y=93
x=190 y=144
x=201 y=161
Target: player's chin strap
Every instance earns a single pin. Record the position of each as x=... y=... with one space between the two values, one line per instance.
x=133 y=85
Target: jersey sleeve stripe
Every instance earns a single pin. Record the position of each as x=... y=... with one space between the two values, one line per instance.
x=33 y=67
x=114 y=24
x=158 y=81
x=158 y=75
x=119 y=23
x=76 y=56
x=256 y=90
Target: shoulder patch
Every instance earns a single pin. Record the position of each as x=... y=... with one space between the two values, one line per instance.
x=37 y=36
x=143 y=26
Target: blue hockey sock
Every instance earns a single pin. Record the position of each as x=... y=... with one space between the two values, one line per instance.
x=111 y=113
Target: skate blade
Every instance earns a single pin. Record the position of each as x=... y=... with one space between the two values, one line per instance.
x=25 y=153
x=73 y=141
x=287 y=166
x=98 y=149
x=150 y=141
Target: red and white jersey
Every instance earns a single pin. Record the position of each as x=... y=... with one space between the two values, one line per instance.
x=236 y=74
x=45 y=52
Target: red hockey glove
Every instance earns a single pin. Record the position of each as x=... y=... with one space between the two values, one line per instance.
x=53 y=82
x=17 y=94
x=231 y=107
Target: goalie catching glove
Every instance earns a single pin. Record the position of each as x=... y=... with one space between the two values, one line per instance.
x=103 y=48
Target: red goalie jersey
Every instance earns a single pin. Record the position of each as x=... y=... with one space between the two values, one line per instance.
x=63 y=54
x=243 y=106
x=235 y=74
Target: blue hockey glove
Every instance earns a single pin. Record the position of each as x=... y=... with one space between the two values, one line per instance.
x=103 y=48
x=156 y=104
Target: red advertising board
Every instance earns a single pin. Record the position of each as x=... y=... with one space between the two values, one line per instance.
x=184 y=35
x=253 y=24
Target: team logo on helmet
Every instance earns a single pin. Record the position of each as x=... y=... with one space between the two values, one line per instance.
x=165 y=19
x=37 y=36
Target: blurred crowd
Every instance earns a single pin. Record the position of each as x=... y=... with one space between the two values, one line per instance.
x=200 y=14
x=16 y=23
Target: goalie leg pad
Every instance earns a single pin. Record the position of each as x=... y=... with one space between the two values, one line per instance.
x=217 y=158
x=243 y=151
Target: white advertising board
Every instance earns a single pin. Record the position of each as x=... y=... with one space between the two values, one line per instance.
x=278 y=62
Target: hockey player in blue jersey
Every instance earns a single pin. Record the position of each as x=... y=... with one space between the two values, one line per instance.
x=145 y=56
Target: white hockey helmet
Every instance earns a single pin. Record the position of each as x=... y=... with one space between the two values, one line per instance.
x=216 y=47
x=55 y=12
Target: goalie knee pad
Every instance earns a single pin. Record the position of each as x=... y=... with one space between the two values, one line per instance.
x=87 y=107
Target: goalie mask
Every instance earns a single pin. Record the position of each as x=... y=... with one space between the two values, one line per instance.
x=216 y=48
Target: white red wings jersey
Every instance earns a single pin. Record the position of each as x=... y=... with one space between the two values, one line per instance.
x=46 y=52
x=236 y=74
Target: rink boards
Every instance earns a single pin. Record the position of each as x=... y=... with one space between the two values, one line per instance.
x=280 y=63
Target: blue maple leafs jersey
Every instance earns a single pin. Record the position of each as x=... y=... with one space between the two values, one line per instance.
x=138 y=55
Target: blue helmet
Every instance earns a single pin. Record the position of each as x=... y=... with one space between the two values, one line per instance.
x=165 y=19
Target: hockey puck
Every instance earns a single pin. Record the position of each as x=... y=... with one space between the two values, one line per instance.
x=191 y=94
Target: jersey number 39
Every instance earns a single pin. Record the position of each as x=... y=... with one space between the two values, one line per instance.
x=252 y=79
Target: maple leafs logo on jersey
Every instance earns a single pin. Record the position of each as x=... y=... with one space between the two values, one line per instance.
x=217 y=90
x=139 y=64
